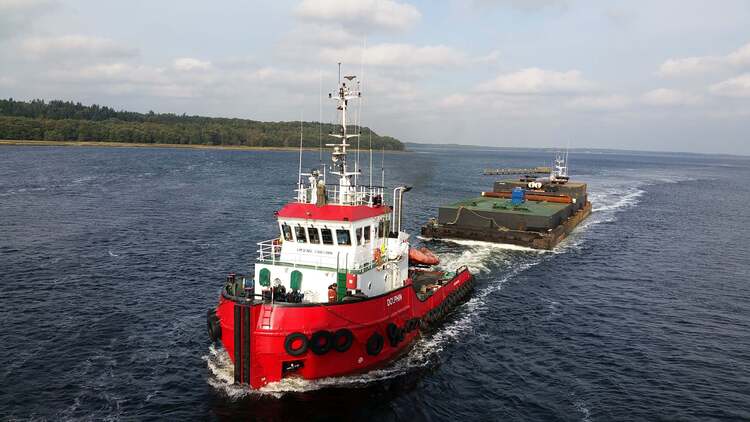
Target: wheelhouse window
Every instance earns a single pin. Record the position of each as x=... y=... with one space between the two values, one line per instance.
x=286 y=231
x=367 y=234
x=343 y=237
x=327 y=236
x=358 y=232
x=301 y=235
x=312 y=235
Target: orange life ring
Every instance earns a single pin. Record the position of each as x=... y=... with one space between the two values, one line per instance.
x=377 y=256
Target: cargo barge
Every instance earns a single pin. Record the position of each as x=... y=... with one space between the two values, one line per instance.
x=532 y=212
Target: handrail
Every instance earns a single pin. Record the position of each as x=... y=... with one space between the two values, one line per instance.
x=358 y=195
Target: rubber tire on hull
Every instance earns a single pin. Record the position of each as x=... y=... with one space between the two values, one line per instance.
x=321 y=348
x=392 y=331
x=214 y=327
x=290 y=339
x=374 y=344
x=348 y=338
x=401 y=335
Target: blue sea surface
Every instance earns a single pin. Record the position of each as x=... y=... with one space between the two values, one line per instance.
x=110 y=257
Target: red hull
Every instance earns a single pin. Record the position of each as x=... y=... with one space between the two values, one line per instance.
x=256 y=335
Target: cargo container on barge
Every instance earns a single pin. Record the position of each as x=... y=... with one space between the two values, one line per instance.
x=533 y=212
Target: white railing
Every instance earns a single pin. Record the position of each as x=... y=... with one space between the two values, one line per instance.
x=269 y=250
x=354 y=195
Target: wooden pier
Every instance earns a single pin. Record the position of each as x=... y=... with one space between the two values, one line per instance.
x=529 y=171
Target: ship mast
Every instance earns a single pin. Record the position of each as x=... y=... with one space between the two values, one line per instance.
x=560 y=168
x=347 y=189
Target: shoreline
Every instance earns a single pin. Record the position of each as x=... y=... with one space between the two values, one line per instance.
x=11 y=142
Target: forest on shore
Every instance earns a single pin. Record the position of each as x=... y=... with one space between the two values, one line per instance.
x=56 y=120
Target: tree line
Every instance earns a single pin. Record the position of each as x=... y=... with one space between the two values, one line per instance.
x=67 y=121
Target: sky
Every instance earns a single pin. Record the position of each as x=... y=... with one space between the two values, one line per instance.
x=646 y=75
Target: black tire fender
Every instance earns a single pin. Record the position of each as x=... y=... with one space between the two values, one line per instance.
x=318 y=347
x=213 y=325
x=401 y=335
x=392 y=331
x=289 y=344
x=342 y=340
x=374 y=344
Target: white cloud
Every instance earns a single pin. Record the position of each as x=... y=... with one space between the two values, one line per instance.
x=741 y=56
x=187 y=64
x=491 y=58
x=112 y=73
x=690 y=66
x=274 y=75
x=670 y=97
x=535 y=81
x=124 y=78
x=599 y=103
x=382 y=14
x=699 y=65
x=74 y=46
x=403 y=55
x=735 y=87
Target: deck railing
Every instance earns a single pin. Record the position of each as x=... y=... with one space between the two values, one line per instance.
x=355 y=195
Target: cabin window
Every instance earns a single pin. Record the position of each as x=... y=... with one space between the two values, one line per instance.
x=383 y=228
x=343 y=237
x=367 y=234
x=287 y=232
x=327 y=236
x=312 y=235
x=301 y=235
x=359 y=236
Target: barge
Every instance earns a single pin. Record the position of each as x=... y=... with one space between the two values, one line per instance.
x=531 y=212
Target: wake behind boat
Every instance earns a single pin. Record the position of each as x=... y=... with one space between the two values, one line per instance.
x=336 y=293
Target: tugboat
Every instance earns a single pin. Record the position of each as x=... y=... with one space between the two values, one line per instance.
x=336 y=292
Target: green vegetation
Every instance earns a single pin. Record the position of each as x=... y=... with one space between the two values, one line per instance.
x=68 y=121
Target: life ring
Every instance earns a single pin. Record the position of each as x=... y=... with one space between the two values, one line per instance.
x=289 y=344
x=318 y=347
x=377 y=256
x=392 y=331
x=342 y=340
x=374 y=344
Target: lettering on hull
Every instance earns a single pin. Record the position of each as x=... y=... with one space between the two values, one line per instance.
x=393 y=300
